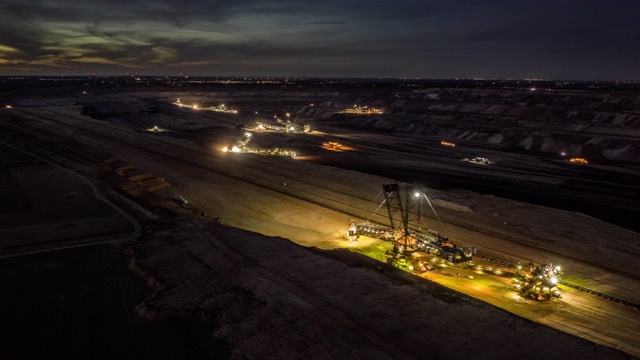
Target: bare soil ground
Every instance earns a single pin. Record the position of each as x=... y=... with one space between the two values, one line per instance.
x=218 y=291
x=47 y=206
x=80 y=304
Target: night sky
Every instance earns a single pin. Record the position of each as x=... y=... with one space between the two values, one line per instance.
x=544 y=39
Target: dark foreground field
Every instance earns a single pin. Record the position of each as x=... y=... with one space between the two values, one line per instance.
x=80 y=304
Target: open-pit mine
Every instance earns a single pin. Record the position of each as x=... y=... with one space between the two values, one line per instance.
x=320 y=220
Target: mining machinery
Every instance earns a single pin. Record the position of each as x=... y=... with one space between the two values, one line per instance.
x=413 y=245
x=405 y=230
x=241 y=145
x=538 y=282
x=287 y=126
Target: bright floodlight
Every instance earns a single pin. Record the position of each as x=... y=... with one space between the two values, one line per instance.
x=417 y=194
x=558 y=268
x=554 y=280
x=235 y=149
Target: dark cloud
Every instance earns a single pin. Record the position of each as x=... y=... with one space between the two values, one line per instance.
x=579 y=39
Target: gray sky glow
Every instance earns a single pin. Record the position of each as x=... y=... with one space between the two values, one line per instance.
x=561 y=39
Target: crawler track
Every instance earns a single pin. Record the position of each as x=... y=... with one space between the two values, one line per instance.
x=602 y=295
